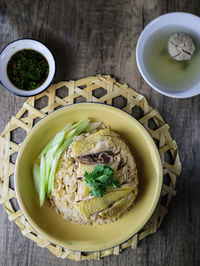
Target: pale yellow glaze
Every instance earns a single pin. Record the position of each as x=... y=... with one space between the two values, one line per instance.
x=85 y=237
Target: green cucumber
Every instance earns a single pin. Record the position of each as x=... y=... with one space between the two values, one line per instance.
x=69 y=138
x=44 y=171
x=36 y=177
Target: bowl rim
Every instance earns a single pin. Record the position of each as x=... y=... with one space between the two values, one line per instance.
x=190 y=92
x=45 y=235
x=32 y=92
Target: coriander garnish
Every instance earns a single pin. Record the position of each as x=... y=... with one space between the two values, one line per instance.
x=100 y=179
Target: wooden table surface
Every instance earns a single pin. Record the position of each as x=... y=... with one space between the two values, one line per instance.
x=99 y=37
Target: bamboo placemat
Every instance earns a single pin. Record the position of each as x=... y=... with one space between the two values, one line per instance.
x=87 y=89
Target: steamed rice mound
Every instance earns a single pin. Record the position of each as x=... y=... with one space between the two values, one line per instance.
x=70 y=196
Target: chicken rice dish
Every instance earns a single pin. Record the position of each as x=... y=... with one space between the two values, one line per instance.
x=71 y=195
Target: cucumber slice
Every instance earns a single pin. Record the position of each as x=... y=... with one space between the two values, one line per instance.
x=44 y=171
x=73 y=133
x=39 y=182
x=57 y=139
x=36 y=177
x=42 y=183
x=92 y=126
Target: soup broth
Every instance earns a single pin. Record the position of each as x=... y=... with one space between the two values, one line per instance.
x=165 y=70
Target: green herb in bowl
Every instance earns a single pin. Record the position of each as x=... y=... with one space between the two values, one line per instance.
x=27 y=69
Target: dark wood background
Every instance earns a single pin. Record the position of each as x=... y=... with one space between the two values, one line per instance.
x=99 y=37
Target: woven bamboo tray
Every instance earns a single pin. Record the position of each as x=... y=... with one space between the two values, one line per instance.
x=103 y=89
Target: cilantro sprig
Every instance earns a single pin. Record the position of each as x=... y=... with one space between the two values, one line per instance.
x=100 y=179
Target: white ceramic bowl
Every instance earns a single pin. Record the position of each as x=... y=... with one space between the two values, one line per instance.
x=14 y=47
x=192 y=24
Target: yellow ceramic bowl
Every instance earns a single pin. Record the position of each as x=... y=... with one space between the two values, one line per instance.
x=86 y=237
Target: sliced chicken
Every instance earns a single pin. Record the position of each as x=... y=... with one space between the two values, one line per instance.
x=88 y=207
x=98 y=158
x=97 y=142
x=119 y=206
x=83 y=191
